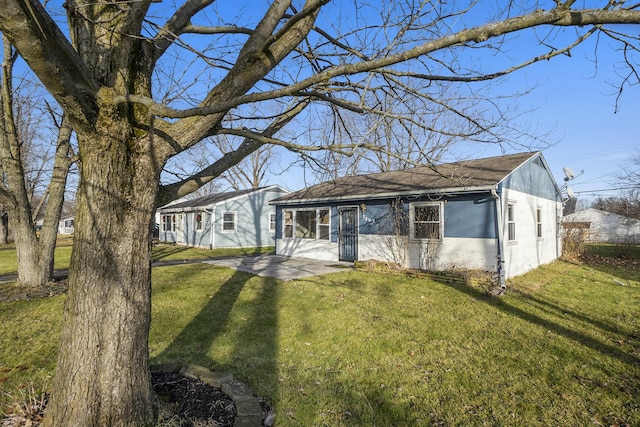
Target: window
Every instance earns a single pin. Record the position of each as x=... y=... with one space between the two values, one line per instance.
x=307 y=224
x=168 y=222
x=511 y=222
x=426 y=221
x=323 y=224
x=272 y=222
x=288 y=224
x=197 y=218
x=228 y=221
x=539 y=223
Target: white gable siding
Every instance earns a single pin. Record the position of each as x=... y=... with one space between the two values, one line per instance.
x=527 y=251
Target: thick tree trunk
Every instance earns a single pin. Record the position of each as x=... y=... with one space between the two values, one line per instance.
x=102 y=375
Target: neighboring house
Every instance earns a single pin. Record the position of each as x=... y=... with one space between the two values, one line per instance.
x=604 y=227
x=499 y=214
x=232 y=219
x=65 y=225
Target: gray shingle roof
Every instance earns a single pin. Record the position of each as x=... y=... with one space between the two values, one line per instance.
x=460 y=176
x=209 y=199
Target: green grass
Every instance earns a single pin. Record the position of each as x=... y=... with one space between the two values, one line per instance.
x=176 y=252
x=9 y=260
x=614 y=251
x=562 y=347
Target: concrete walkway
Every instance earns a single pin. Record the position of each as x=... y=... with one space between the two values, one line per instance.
x=267 y=265
x=281 y=267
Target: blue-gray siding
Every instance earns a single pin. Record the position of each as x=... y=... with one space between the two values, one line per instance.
x=251 y=217
x=471 y=216
x=532 y=178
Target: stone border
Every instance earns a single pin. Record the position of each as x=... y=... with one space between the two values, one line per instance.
x=248 y=409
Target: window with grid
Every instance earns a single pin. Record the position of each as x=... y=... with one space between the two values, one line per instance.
x=288 y=223
x=427 y=222
x=272 y=222
x=228 y=221
x=539 y=223
x=511 y=222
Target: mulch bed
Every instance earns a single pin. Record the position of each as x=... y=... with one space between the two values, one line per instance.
x=189 y=402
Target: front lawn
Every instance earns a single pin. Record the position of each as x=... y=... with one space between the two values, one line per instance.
x=562 y=347
x=161 y=252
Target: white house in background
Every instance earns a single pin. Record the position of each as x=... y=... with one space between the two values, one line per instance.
x=499 y=214
x=223 y=220
x=604 y=227
x=65 y=225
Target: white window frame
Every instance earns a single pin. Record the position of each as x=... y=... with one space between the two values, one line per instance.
x=223 y=221
x=539 y=228
x=168 y=222
x=272 y=221
x=412 y=222
x=285 y=224
x=511 y=222
x=318 y=226
x=198 y=223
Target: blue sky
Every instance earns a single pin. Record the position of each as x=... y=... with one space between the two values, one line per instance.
x=574 y=99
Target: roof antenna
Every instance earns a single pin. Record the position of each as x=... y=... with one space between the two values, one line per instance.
x=569 y=175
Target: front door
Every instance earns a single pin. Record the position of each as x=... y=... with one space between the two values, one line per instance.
x=348 y=234
x=179 y=229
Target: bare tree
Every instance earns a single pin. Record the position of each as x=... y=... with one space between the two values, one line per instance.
x=250 y=172
x=24 y=174
x=284 y=56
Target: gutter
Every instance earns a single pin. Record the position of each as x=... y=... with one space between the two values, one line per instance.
x=500 y=233
x=212 y=240
x=443 y=191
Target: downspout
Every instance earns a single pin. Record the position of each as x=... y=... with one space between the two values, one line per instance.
x=500 y=234
x=212 y=239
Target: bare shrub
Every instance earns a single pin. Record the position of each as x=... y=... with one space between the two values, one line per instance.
x=573 y=241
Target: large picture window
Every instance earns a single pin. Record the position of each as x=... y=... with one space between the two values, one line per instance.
x=426 y=221
x=307 y=223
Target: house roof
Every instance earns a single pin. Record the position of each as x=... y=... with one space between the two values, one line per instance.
x=457 y=176
x=212 y=199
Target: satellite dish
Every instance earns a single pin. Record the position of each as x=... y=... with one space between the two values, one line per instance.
x=569 y=174
x=570 y=193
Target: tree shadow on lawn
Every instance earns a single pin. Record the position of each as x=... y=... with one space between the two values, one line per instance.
x=574 y=335
x=255 y=347
x=556 y=310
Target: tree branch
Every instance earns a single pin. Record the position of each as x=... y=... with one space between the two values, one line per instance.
x=51 y=57
x=252 y=141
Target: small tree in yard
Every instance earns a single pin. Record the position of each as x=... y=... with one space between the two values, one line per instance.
x=298 y=59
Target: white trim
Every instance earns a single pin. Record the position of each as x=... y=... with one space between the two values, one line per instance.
x=412 y=230
x=223 y=222
x=294 y=221
x=269 y=215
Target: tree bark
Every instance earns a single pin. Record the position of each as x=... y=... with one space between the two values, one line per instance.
x=102 y=374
